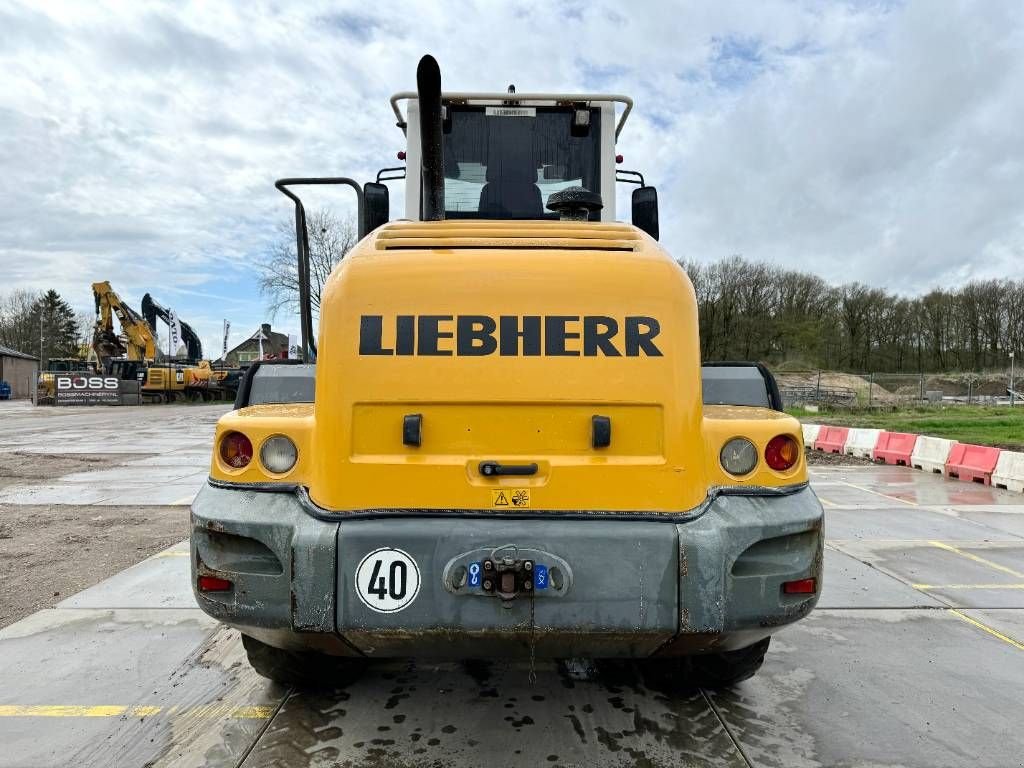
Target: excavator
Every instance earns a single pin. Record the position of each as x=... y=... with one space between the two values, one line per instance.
x=133 y=355
x=201 y=378
x=151 y=310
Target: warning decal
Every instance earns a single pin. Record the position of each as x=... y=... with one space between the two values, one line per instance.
x=510 y=498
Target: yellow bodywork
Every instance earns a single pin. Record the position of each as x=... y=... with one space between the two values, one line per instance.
x=510 y=408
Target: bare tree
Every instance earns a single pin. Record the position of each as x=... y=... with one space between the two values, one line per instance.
x=19 y=321
x=330 y=238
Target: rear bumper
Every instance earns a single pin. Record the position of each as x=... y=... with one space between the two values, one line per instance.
x=625 y=587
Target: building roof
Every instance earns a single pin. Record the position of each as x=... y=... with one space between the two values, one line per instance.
x=8 y=352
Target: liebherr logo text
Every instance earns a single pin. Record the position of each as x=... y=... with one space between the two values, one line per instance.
x=509 y=335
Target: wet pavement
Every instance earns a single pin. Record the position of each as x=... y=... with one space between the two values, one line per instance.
x=914 y=657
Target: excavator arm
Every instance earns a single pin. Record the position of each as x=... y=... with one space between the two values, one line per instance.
x=141 y=343
x=152 y=309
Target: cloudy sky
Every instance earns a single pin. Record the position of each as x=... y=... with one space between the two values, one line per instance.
x=880 y=142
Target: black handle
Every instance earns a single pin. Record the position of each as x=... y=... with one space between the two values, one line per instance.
x=493 y=469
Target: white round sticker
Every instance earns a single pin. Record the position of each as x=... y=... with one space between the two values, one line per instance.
x=387 y=580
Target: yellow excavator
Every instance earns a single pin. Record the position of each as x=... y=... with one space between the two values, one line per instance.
x=133 y=354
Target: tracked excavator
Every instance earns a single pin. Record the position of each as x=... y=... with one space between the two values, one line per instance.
x=202 y=379
x=508 y=446
x=133 y=355
x=152 y=310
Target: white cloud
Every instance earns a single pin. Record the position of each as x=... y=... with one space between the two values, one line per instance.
x=878 y=142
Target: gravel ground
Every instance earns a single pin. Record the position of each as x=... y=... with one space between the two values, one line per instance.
x=48 y=552
x=820 y=459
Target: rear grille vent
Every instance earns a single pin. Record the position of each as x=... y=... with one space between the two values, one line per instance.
x=485 y=235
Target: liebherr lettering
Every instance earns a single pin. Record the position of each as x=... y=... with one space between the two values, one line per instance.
x=509 y=335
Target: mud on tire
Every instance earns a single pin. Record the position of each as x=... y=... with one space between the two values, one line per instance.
x=309 y=670
x=712 y=670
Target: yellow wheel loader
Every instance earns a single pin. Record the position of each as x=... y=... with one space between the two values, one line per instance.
x=502 y=441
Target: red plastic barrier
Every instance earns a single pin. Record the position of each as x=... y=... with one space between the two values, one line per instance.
x=972 y=463
x=831 y=439
x=894 y=448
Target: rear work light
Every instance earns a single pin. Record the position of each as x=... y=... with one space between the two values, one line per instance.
x=781 y=453
x=213 y=584
x=800 y=587
x=235 y=450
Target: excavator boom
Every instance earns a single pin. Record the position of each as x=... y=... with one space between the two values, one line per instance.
x=141 y=343
x=152 y=309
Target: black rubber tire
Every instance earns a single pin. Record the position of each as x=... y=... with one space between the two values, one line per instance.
x=711 y=671
x=308 y=670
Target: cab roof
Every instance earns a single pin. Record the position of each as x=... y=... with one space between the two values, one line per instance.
x=515 y=99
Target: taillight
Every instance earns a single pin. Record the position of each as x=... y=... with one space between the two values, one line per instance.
x=781 y=453
x=213 y=584
x=235 y=450
x=800 y=587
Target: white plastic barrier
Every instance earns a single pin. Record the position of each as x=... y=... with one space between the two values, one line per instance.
x=861 y=442
x=1009 y=472
x=930 y=454
x=811 y=433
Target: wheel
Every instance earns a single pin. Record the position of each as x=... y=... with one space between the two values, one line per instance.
x=711 y=671
x=302 y=669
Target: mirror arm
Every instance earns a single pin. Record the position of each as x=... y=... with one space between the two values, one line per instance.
x=382 y=171
x=302 y=250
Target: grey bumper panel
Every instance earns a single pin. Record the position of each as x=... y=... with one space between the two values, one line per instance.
x=627 y=587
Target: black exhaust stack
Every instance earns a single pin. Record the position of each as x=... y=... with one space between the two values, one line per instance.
x=428 y=87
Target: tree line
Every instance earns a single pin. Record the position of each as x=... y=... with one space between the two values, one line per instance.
x=755 y=311
x=42 y=324
x=748 y=311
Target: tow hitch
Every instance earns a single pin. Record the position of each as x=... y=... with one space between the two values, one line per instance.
x=507 y=572
x=507 y=577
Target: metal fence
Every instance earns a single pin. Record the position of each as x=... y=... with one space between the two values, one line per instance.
x=834 y=388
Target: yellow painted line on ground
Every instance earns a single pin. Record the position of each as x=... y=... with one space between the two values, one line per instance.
x=990 y=630
x=826 y=502
x=173 y=553
x=879 y=493
x=967 y=586
x=977 y=559
x=184 y=501
x=106 y=710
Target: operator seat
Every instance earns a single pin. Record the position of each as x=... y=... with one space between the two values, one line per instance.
x=511 y=191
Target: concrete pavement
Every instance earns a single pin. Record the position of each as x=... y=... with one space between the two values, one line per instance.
x=914 y=657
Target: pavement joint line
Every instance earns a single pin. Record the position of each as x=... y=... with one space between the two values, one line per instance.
x=986 y=628
x=726 y=728
x=977 y=559
x=967 y=586
x=232 y=711
x=263 y=728
x=879 y=493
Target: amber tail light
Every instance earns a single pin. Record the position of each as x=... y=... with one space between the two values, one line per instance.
x=235 y=450
x=781 y=453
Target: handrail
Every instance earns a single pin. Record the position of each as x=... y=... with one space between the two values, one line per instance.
x=626 y=101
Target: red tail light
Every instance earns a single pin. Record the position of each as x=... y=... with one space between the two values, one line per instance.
x=235 y=450
x=213 y=584
x=800 y=587
x=781 y=453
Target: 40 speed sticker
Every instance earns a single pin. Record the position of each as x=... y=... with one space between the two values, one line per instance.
x=387 y=580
